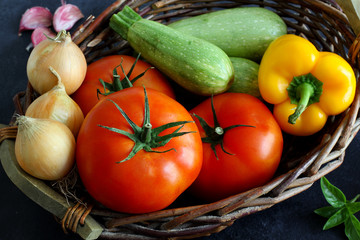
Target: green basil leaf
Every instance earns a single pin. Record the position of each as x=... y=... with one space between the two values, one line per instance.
x=339 y=217
x=333 y=195
x=327 y=211
x=352 y=228
x=353 y=207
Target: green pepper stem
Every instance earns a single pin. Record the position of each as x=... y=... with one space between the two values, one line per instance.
x=304 y=92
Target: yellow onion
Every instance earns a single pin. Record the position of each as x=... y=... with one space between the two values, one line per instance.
x=56 y=104
x=44 y=148
x=62 y=54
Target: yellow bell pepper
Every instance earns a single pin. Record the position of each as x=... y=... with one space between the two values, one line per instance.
x=304 y=84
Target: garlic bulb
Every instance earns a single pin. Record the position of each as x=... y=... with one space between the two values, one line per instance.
x=65 y=56
x=44 y=148
x=56 y=104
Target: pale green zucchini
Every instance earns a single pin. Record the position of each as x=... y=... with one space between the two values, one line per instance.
x=246 y=77
x=195 y=64
x=241 y=32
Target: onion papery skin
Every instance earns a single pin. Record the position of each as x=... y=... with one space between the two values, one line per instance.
x=57 y=105
x=44 y=148
x=64 y=56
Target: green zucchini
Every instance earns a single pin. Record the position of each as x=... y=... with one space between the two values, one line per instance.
x=195 y=64
x=242 y=32
x=246 y=77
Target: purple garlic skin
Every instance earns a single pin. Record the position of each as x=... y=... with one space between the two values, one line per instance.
x=39 y=34
x=35 y=17
x=66 y=16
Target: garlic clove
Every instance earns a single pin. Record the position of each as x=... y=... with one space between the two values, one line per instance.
x=66 y=16
x=35 y=17
x=39 y=34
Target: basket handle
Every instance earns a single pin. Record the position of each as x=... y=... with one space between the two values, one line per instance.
x=351 y=9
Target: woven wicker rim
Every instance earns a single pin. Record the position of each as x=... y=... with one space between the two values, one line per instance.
x=324 y=24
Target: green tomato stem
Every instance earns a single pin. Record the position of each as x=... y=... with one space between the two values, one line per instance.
x=146 y=138
x=119 y=84
x=219 y=131
x=146 y=133
x=215 y=135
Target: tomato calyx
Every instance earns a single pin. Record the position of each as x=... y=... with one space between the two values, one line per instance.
x=215 y=135
x=119 y=84
x=146 y=137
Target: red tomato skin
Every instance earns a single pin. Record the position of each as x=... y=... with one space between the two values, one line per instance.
x=256 y=151
x=149 y=181
x=86 y=96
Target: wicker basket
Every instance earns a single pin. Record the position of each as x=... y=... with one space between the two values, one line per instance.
x=322 y=22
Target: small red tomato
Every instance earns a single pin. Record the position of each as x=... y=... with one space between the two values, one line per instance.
x=131 y=170
x=87 y=95
x=242 y=146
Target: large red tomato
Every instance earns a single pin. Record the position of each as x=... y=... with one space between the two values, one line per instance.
x=86 y=96
x=149 y=181
x=250 y=154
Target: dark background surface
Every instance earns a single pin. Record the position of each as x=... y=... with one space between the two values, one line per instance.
x=20 y=218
